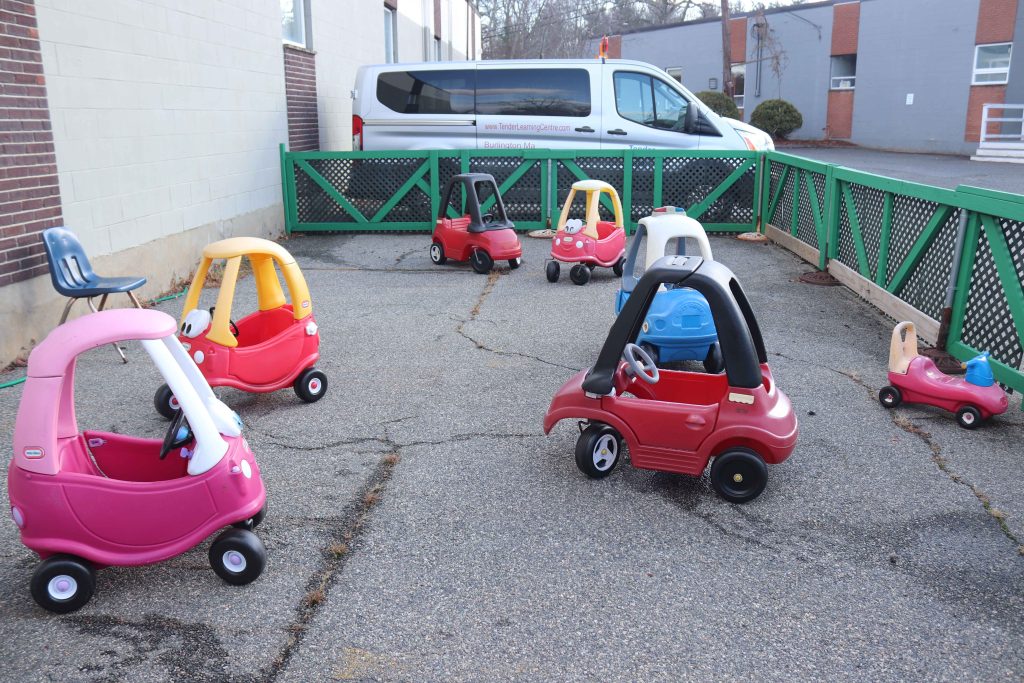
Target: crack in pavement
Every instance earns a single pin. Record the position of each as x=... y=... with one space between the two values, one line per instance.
x=908 y=425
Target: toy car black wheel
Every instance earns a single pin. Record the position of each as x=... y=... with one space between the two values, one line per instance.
x=617 y=268
x=165 y=402
x=597 y=450
x=713 y=363
x=311 y=385
x=253 y=521
x=552 y=270
x=481 y=261
x=591 y=266
x=890 y=397
x=437 y=253
x=651 y=350
x=968 y=417
x=514 y=263
x=739 y=475
x=63 y=583
x=238 y=556
x=579 y=274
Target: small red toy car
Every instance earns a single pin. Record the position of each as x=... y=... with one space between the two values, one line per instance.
x=916 y=379
x=675 y=421
x=591 y=242
x=481 y=238
x=269 y=349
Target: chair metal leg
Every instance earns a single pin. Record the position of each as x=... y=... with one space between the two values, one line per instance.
x=119 y=350
x=103 y=301
x=67 y=309
x=135 y=300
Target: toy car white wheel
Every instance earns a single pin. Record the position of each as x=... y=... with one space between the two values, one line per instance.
x=514 y=263
x=968 y=417
x=165 y=402
x=739 y=475
x=481 y=261
x=579 y=274
x=890 y=397
x=63 y=583
x=617 y=268
x=437 y=253
x=597 y=450
x=552 y=270
x=310 y=385
x=713 y=363
x=238 y=556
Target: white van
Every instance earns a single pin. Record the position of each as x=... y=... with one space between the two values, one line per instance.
x=542 y=103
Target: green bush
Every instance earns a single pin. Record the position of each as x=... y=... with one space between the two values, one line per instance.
x=720 y=103
x=778 y=118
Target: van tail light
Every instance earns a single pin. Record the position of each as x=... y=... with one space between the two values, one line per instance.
x=357 y=132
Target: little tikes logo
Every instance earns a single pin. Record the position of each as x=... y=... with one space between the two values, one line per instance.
x=33 y=453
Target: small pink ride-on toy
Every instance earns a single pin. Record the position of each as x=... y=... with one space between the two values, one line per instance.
x=591 y=242
x=84 y=500
x=916 y=379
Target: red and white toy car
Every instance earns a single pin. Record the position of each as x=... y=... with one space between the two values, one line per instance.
x=481 y=235
x=590 y=242
x=675 y=421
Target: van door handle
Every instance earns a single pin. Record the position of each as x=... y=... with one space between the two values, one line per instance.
x=585 y=129
x=617 y=131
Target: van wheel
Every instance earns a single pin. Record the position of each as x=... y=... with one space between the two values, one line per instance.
x=552 y=271
x=481 y=261
x=437 y=253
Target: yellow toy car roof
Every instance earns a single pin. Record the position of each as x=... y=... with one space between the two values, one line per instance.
x=247 y=246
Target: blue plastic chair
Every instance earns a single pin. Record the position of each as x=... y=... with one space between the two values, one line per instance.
x=73 y=276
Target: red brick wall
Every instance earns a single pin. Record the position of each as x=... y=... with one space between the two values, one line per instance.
x=614 y=47
x=995 y=22
x=738 y=40
x=839 y=124
x=845 y=27
x=982 y=94
x=300 y=93
x=29 y=195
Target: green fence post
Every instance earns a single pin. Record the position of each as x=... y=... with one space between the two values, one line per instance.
x=831 y=216
x=627 y=190
x=658 y=170
x=882 y=266
x=794 y=222
x=435 y=180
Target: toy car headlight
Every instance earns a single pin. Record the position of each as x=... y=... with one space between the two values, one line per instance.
x=196 y=322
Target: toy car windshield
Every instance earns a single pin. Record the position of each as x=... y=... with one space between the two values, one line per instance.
x=484 y=206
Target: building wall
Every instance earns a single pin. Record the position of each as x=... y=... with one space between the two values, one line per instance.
x=907 y=47
x=1015 y=88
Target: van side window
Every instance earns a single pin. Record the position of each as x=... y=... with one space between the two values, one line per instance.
x=649 y=101
x=427 y=92
x=533 y=92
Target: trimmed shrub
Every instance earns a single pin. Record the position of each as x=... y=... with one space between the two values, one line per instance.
x=778 y=118
x=719 y=102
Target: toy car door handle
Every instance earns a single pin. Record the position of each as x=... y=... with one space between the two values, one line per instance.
x=617 y=131
x=584 y=129
x=695 y=421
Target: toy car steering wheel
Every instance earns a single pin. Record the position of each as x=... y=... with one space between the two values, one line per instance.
x=179 y=433
x=640 y=363
x=234 y=327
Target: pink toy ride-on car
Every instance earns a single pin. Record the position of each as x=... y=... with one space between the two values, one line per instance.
x=588 y=242
x=916 y=379
x=88 y=499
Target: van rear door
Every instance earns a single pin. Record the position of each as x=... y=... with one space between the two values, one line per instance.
x=421 y=108
x=524 y=106
x=643 y=111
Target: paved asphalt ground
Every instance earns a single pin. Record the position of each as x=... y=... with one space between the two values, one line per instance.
x=422 y=528
x=942 y=170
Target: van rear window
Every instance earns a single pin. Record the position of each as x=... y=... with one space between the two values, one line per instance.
x=533 y=92
x=427 y=92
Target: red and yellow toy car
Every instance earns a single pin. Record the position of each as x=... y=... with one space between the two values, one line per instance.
x=483 y=234
x=272 y=348
x=590 y=242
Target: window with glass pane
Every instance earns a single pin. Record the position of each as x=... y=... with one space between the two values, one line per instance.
x=992 y=64
x=739 y=75
x=293 y=21
x=389 y=36
x=844 y=72
x=427 y=92
x=633 y=97
x=675 y=72
x=533 y=92
x=669 y=107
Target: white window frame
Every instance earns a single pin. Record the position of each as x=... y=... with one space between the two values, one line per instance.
x=738 y=98
x=675 y=72
x=975 y=72
x=303 y=22
x=842 y=82
x=390 y=55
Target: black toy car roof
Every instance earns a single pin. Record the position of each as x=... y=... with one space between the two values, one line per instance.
x=468 y=181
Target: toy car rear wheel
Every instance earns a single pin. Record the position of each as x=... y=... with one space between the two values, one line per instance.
x=713 y=363
x=437 y=253
x=514 y=263
x=579 y=274
x=597 y=450
x=310 y=385
x=165 y=402
x=739 y=475
x=253 y=521
x=890 y=397
x=617 y=268
x=968 y=417
x=481 y=261
x=63 y=583
x=552 y=271
x=238 y=556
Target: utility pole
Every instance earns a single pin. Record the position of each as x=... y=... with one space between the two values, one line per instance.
x=726 y=51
